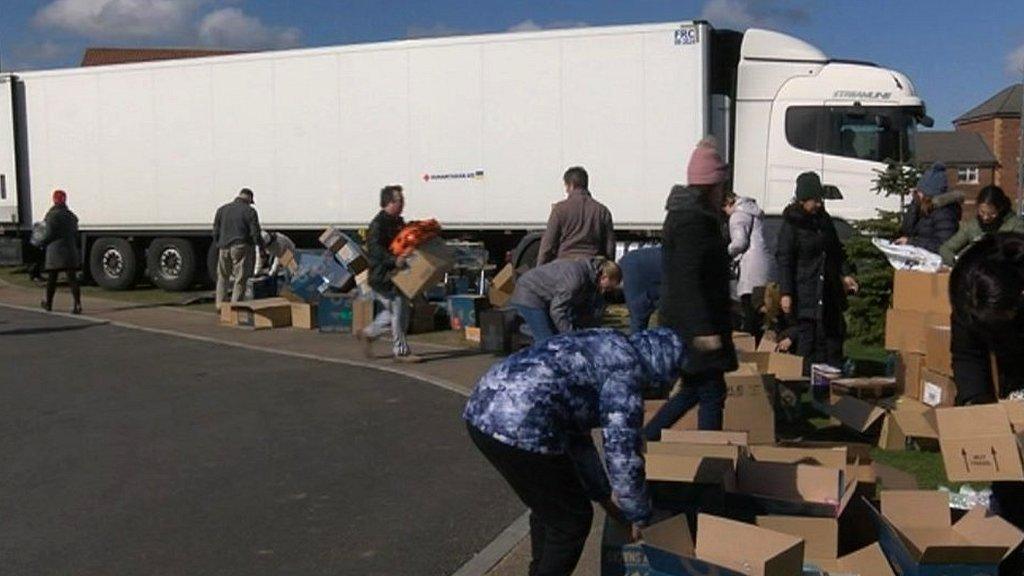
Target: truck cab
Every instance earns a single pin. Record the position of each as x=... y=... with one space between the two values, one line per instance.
x=797 y=111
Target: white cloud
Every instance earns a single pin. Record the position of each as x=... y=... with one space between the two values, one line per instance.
x=119 y=19
x=743 y=14
x=36 y=55
x=531 y=26
x=233 y=28
x=434 y=31
x=525 y=26
x=1015 y=63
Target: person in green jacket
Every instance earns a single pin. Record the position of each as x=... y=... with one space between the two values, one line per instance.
x=994 y=215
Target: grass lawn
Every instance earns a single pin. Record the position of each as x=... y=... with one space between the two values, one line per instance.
x=143 y=294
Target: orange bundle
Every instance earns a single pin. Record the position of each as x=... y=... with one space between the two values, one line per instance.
x=414 y=234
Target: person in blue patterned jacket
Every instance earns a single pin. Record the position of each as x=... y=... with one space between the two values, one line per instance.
x=531 y=416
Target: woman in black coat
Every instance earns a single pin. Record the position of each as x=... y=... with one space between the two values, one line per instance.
x=986 y=289
x=62 y=254
x=814 y=275
x=934 y=214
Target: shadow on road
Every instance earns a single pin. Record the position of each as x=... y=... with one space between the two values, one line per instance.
x=48 y=329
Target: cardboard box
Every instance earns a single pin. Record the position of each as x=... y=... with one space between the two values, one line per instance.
x=937 y=389
x=854 y=413
x=793 y=489
x=723 y=547
x=426 y=266
x=502 y=286
x=748 y=408
x=938 y=349
x=473 y=334
x=919 y=538
x=287 y=259
x=907 y=330
x=362 y=313
x=334 y=314
x=822 y=547
x=908 y=374
x=304 y=315
x=980 y=443
x=782 y=366
x=907 y=418
x=258 y=314
x=921 y=292
x=706 y=437
x=829 y=457
x=692 y=462
x=464 y=310
x=865 y=388
x=744 y=342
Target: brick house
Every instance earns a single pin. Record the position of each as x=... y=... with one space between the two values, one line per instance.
x=970 y=164
x=997 y=121
x=109 y=56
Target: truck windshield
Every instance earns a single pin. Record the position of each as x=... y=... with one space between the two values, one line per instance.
x=874 y=133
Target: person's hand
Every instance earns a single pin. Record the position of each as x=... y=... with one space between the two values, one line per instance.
x=851 y=285
x=786 y=303
x=707 y=343
x=784 y=345
x=902 y=240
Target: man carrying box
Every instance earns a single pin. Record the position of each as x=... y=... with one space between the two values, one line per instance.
x=531 y=416
x=383 y=264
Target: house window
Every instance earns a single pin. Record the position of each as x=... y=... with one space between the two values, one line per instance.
x=967 y=175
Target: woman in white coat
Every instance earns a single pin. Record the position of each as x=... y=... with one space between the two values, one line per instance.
x=749 y=252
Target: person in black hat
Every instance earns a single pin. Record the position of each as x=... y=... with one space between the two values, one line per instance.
x=814 y=275
x=236 y=232
x=933 y=216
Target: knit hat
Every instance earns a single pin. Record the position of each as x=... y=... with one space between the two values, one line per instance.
x=706 y=166
x=933 y=182
x=60 y=197
x=808 y=187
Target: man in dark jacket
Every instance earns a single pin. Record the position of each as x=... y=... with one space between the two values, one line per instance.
x=987 y=293
x=62 y=255
x=695 y=300
x=579 y=226
x=814 y=274
x=562 y=296
x=641 y=285
x=394 y=313
x=236 y=232
x=934 y=214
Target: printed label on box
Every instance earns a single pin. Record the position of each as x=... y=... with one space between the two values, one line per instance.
x=931 y=394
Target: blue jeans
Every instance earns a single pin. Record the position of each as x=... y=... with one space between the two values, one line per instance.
x=707 y=390
x=541 y=327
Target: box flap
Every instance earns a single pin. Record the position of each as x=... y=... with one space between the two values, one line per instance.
x=892 y=478
x=856 y=413
x=1014 y=413
x=820 y=535
x=693 y=469
x=704 y=437
x=855 y=451
x=916 y=508
x=746 y=369
x=973 y=421
x=672 y=535
x=868 y=561
x=915 y=419
x=727 y=451
x=744 y=342
x=830 y=457
x=791 y=482
x=980 y=526
x=748 y=549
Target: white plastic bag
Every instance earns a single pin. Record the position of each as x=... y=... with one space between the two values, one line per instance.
x=906 y=257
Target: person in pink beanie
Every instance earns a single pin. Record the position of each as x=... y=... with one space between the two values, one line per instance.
x=695 y=300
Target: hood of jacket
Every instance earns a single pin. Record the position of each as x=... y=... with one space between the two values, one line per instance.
x=686 y=198
x=748 y=206
x=948 y=198
x=796 y=216
x=661 y=351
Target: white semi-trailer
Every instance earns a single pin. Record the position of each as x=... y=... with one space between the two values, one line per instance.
x=479 y=130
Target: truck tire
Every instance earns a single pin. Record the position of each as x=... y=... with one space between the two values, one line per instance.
x=212 y=260
x=171 y=263
x=524 y=257
x=113 y=264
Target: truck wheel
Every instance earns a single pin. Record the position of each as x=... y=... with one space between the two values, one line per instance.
x=212 y=261
x=113 y=264
x=171 y=263
x=524 y=257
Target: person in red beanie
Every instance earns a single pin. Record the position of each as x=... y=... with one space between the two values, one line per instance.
x=695 y=299
x=62 y=251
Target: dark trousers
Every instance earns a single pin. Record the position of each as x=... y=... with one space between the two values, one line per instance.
x=707 y=390
x=753 y=319
x=51 y=286
x=1008 y=503
x=820 y=343
x=560 y=513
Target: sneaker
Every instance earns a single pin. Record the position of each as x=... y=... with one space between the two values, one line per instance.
x=367 y=341
x=409 y=359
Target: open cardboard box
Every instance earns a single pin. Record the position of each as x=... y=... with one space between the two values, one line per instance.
x=744 y=342
x=692 y=463
x=425 y=267
x=822 y=546
x=918 y=536
x=937 y=389
x=865 y=388
x=502 y=286
x=921 y=291
x=793 y=489
x=748 y=407
x=723 y=548
x=982 y=443
x=908 y=374
x=257 y=314
x=782 y=366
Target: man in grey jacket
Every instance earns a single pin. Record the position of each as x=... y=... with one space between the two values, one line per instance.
x=579 y=226
x=236 y=232
x=558 y=297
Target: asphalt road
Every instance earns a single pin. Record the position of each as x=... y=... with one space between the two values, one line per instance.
x=125 y=452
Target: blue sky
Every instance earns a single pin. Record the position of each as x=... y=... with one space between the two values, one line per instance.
x=957 y=53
